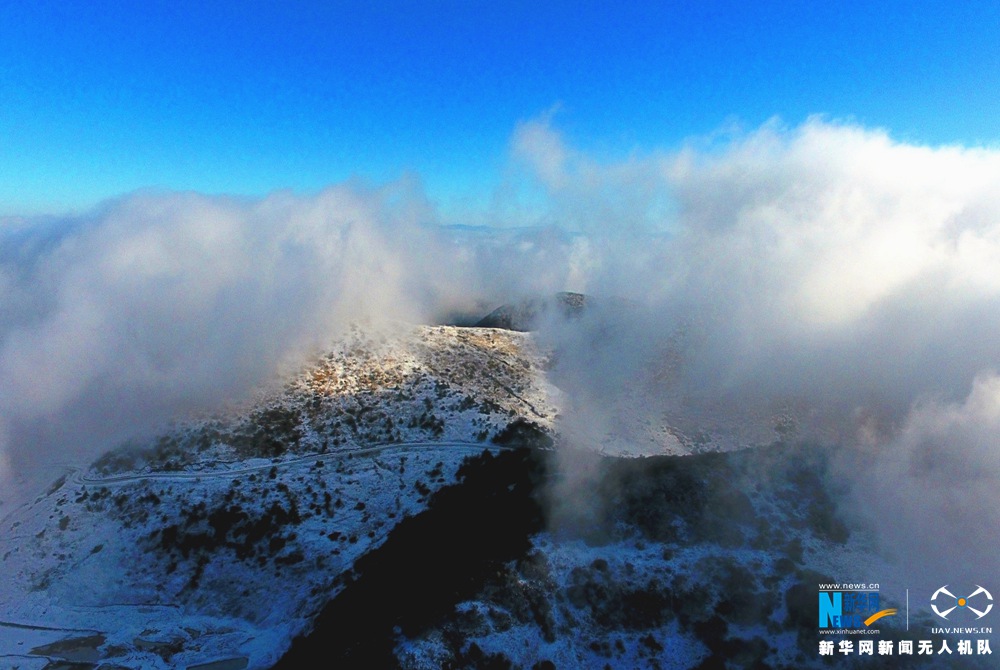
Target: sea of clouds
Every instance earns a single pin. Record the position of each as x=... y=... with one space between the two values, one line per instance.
x=824 y=271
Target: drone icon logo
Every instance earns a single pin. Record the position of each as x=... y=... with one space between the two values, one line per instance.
x=962 y=603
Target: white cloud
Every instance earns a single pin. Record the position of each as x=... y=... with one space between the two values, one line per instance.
x=930 y=494
x=170 y=302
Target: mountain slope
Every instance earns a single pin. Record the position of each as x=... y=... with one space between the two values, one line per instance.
x=224 y=537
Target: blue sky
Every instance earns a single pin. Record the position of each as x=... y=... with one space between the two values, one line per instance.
x=98 y=99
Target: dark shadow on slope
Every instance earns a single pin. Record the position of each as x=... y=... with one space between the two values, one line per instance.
x=429 y=563
x=763 y=500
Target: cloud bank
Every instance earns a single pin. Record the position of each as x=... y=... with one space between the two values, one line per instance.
x=824 y=274
x=821 y=283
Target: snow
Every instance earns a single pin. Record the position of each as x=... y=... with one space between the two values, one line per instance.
x=90 y=555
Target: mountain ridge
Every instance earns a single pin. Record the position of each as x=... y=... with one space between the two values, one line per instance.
x=230 y=538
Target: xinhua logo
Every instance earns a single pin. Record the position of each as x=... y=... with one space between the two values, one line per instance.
x=850 y=609
x=949 y=600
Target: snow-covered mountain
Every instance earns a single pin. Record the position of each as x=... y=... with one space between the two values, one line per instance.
x=224 y=537
x=405 y=497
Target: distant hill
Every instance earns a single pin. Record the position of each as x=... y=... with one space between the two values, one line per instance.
x=525 y=315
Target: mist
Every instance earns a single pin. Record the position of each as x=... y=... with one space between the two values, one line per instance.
x=822 y=283
x=162 y=304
